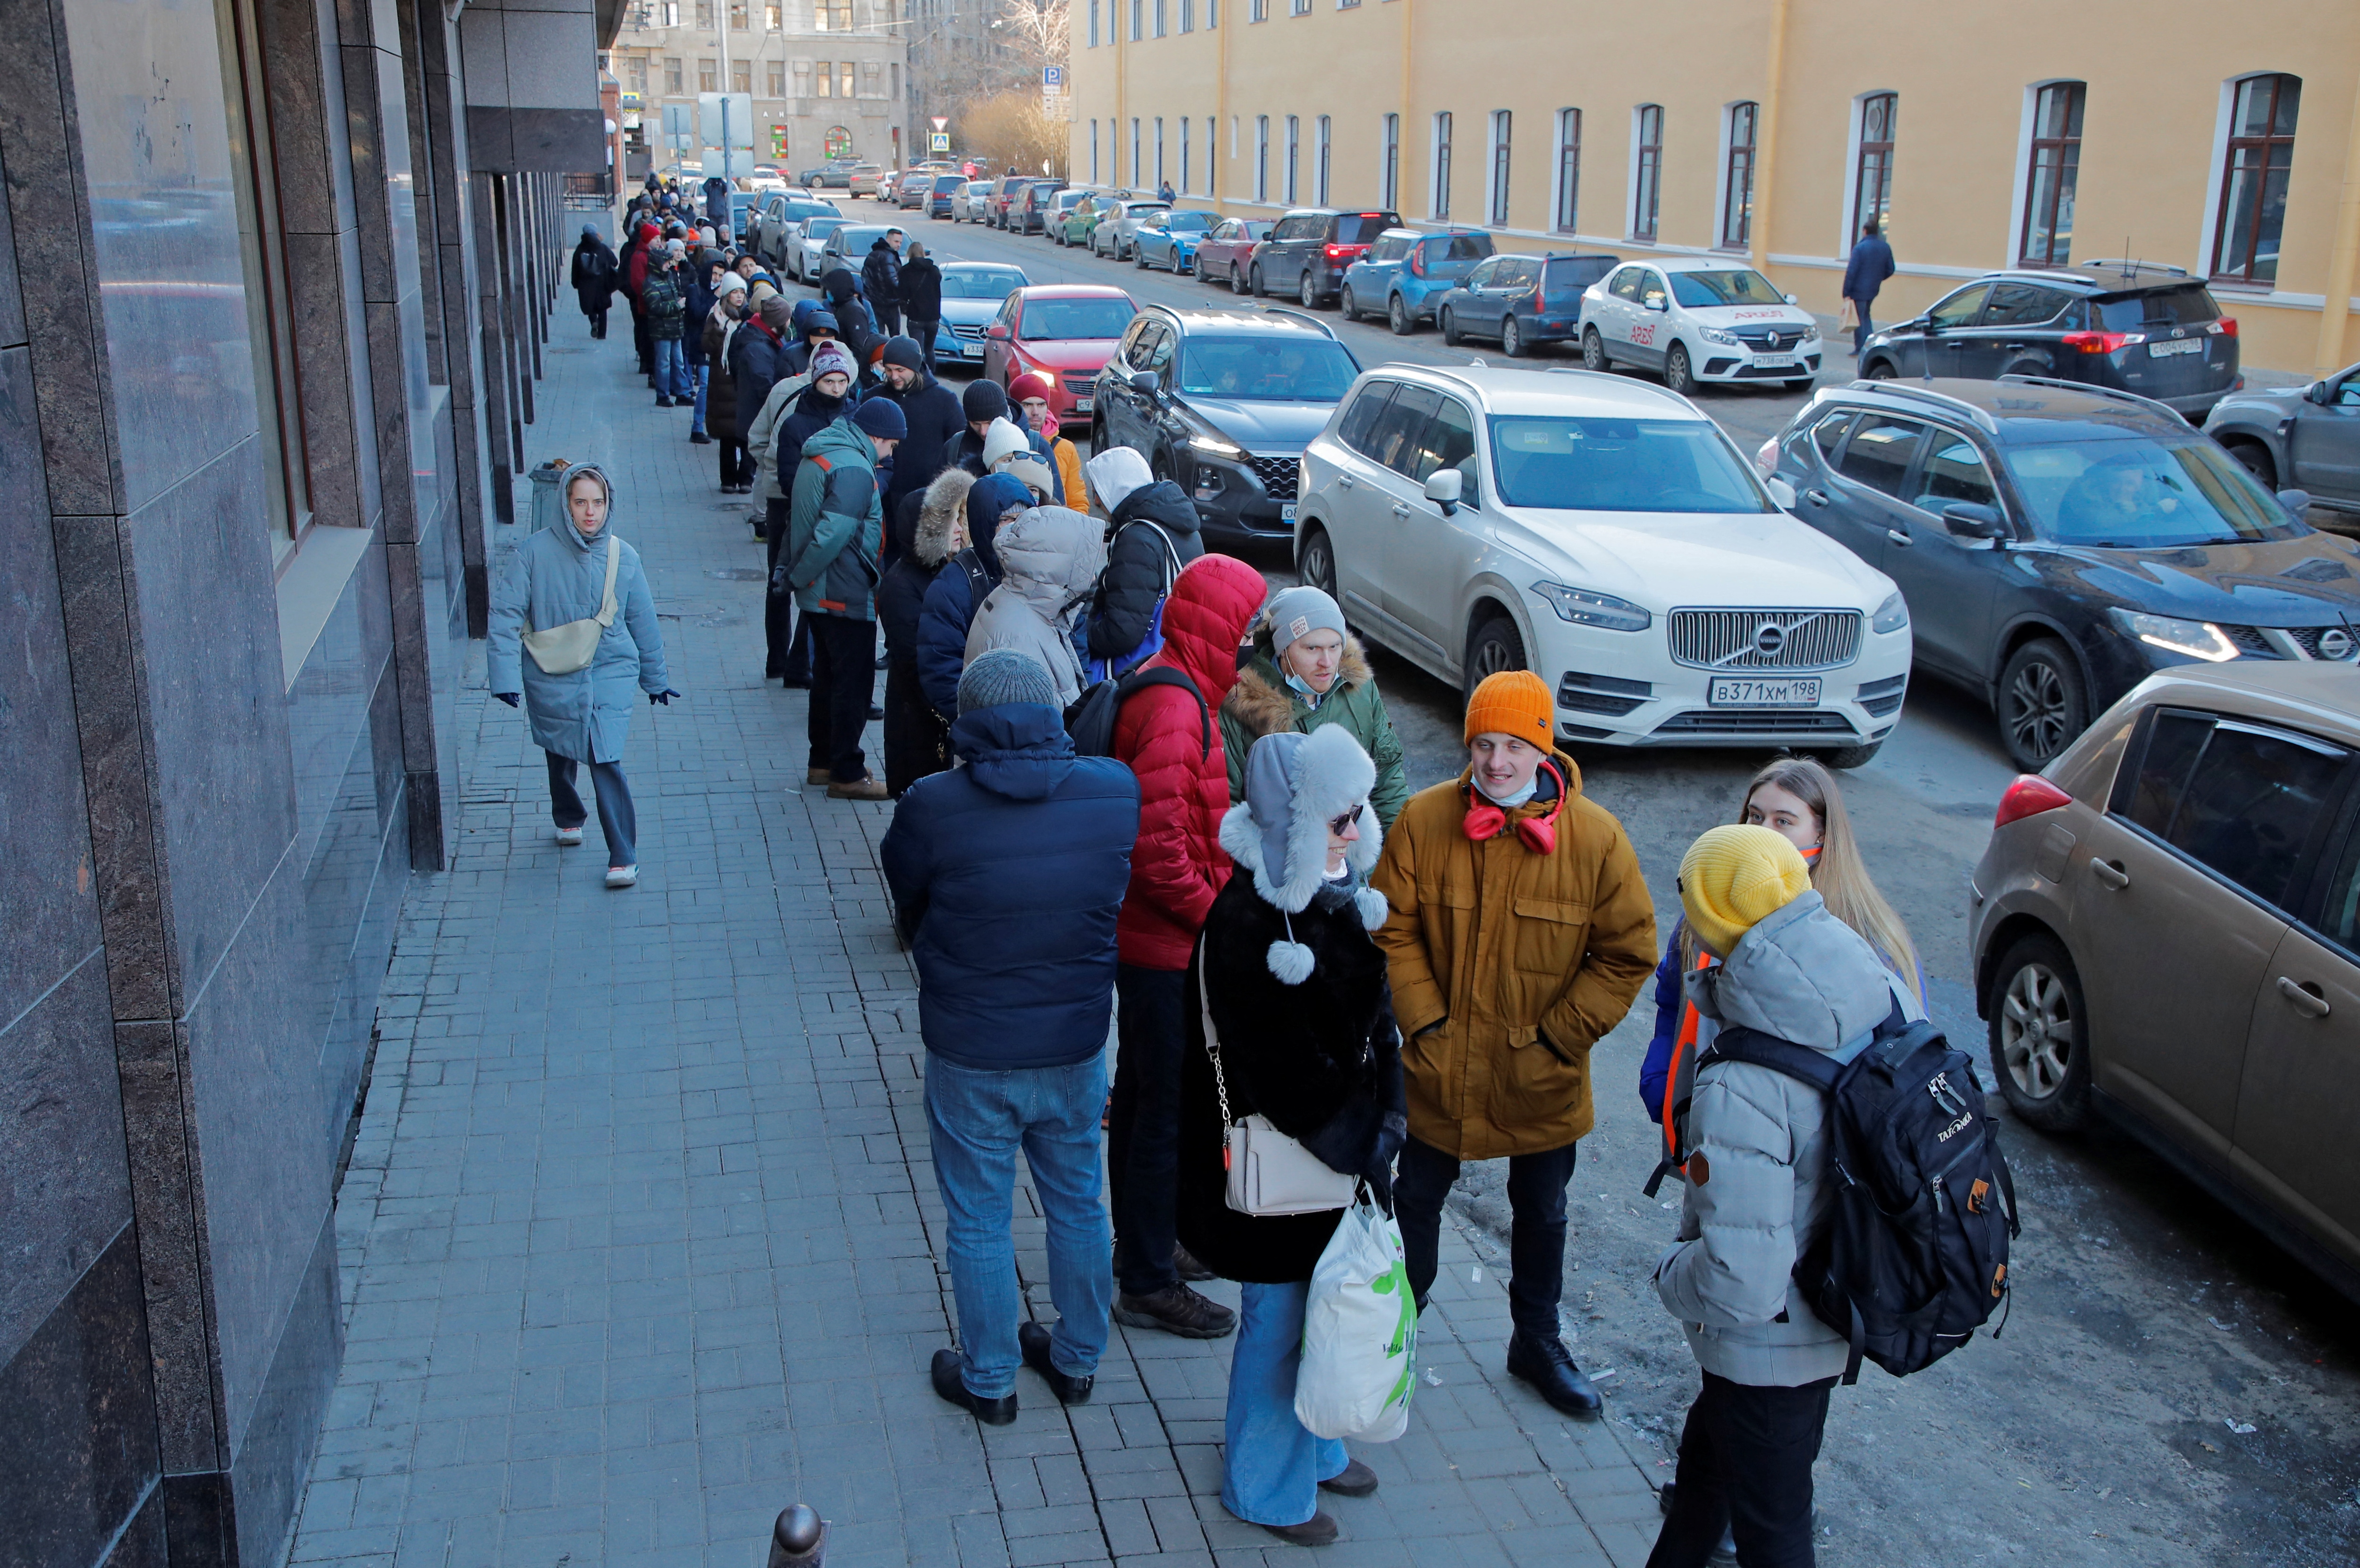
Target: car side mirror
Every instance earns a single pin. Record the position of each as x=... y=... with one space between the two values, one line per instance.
x=1973 y=519
x=998 y=332
x=1443 y=488
x=1781 y=492
x=1145 y=381
x=1657 y=302
x=1791 y=299
x=2295 y=501
x=2317 y=392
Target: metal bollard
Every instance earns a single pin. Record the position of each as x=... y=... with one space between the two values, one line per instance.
x=799 y=1538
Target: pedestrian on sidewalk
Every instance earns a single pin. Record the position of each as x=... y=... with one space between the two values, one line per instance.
x=1029 y=393
x=933 y=414
x=1007 y=441
x=1865 y=274
x=952 y=597
x=664 y=295
x=1521 y=932
x=922 y=301
x=881 y=278
x=594 y=277
x=1051 y=558
x=1006 y=876
x=757 y=356
x=701 y=283
x=1151 y=535
x=812 y=325
x=983 y=402
x=853 y=316
x=836 y=533
x=828 y=398
x=578 y=572
x=932 y=526
x=1166 y=735
x=721 y=324
x=1792 y=971
x=1296 y=993
x=635 y=280
x=1308 y=671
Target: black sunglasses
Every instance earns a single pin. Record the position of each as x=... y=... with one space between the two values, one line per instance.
x=1337 y=825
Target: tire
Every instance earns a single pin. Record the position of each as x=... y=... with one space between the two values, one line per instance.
x=2039 y=1035
x=1449 y=324
x=1511 y=338
x=1317 y=562
x=1257 y=285
x=1139 y=258
x=1880 y=370
x=1853 y=756
x=1678 y=376
x=1496 y=645
x=1397 y=317
x=1593 y=351
x=2040 y=705
x=1307 y=291
x=1239 y=282
x=1344 y=303
x=2257 y=461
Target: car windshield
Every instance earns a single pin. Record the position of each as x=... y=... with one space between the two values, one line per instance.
x=820 y=227
x=1190 y=222
x=1738 y=286
x=859 y=236
x=809 y=209
x=981 y=283
x=2190 y=306
x=1140 y=209
x=1275 y=369
x=2115 y=489
x=1057 y=321
x=1619 y=465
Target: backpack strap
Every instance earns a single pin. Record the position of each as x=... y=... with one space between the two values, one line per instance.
x=1164 y=675
x=1741 y=1044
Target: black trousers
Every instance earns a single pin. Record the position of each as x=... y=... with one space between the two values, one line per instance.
x=736 y=463
x=888 y=320
x=1745 y=1466
x=1143 y=1125
x=786 y=646
x=843 y=677
x=925 y=333
x=598 y=321
x=1537 y=1184
x=645 y=343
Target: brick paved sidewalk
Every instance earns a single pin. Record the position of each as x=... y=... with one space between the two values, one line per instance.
x=639 y=1234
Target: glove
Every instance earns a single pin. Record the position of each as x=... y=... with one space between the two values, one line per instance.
x=511 y=699
x=779 y=583
x=1378 y=1170
x=662 y=699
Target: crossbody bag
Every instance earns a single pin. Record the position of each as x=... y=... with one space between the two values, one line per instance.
x=562 y=650
x=1269 y=1173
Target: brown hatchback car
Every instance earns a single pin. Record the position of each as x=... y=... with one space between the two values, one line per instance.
x=2166 y=927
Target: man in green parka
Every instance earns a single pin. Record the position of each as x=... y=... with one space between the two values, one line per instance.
x=1308 y=671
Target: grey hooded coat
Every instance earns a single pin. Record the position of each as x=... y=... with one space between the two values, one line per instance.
x=1051 y=559
x=1761 y=1199
x=556 y=576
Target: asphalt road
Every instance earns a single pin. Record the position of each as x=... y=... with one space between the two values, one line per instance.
x=2149 y=1326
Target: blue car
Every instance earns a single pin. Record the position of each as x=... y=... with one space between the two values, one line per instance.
x=1169 y=239
x=1405 y=272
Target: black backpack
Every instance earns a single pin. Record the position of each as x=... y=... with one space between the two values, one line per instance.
x=1913 y=1257
x=1090 y=719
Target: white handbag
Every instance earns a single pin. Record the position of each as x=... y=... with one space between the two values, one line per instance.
x=562 y=650
x=1269 y=1173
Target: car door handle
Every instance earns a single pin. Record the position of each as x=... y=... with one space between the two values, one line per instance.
x=1344 y=480
x=2108 y=873
x=2305 y=997
x=2014 y=346
x=1400 y=510
x=1898 y=537
x=1816 y=497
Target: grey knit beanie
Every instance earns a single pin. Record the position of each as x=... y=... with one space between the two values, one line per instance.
x=1004 y=675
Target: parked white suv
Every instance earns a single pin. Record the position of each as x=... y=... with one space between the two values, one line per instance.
x=1698 y=320
x=1605 y=534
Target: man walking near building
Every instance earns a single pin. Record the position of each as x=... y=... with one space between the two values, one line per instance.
x=880 y=277
x=834 y=541
x=1865 y=274
x=1521 y=931
x=1007 y=876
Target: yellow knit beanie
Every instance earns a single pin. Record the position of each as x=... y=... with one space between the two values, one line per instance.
x=1511 y=702
x=1735 y=876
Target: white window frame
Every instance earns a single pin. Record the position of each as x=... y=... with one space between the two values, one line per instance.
x=2216 y=175
x=1160 y=10
x=1293 y=161
x=2020 y=193
x=1501 y=136
x=1564 y=217
x=1631 y=189
x=1262 y=158
x=1323 y=144
x=1440 y=131
x=1389 y=161
x=1094 y=24
x=1850 y=234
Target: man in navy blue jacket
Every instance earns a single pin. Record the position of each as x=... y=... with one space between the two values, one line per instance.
x=1007 y=874
x=1865 y=274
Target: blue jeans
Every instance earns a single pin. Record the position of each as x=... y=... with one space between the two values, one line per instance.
x=1863 y=327
x=696 y=415
x=1272 y=1465
x=979 y=1120
x=671 y=369
x=616 y=819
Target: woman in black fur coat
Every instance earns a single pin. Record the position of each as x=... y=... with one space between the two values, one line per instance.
x=1297 y=994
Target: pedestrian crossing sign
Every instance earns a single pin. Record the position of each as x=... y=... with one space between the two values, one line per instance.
x=939 y=142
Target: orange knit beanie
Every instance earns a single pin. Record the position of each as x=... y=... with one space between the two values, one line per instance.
x=1512 y=702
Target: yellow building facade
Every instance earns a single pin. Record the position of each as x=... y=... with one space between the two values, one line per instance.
x=2008 y=133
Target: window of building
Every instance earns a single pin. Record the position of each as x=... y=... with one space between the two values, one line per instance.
x=278 y=384
x=1212 y=20
x=1094 y=142
x=739 y=16
x=1737 y=176
x=774 y=17
x=638 y=68
x=708 y=77
x=705 y=14
x=832 y=15
x=1646 y=169
x=1093 y=26
x=672 y=87
x=1871 y=185
x=1138 y=19
x=2055 y=159
x=1441 y=204
x=1299 y=7
x=1188 y=15
x=844 y=79
x=1502 y=131
x=1159 y=17
x=1257 y=11
x=1159 y=152
x=2254 y=179
x=774 y=78
x=1293 y=159
x=1134 y=150
x=1183 y=153
x=894 y=71
x=1212 y=156
x=1568 y=170
x=1319 y=132
x=872 y=78
x=741 y=77
x=836 y=144
x=824 y=75
x=668 y=13
x=1262 y=157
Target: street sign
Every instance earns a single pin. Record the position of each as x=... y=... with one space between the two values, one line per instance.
x=725 y=119
x=676 y=120
x=940 y=141
x=1052 y=77
x=941 y=123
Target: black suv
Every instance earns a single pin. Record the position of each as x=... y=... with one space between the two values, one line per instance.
x=1309 y=249
x=2057 y=542
x=1028 y=210
x=2133 y=327
x=1224 y=402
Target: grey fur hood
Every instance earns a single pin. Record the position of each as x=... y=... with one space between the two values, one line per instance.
x=1296 y=784
x=942 y=512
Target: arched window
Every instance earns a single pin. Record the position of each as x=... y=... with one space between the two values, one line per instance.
x=2259 y=157
x=1872 y=189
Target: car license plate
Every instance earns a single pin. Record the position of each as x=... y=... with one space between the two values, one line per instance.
x=1286 y=513
x=1774 y=361
x=1081 y=405
x=2165 y=350
x=1745 y=691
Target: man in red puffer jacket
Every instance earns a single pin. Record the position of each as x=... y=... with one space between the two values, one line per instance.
x=1176 y=868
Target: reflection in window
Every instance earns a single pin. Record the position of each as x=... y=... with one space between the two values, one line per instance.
x=1568 y=169
x=1442 y=166
x=2056 y=163
x=1872 y=171
x=1647 y=191
x=269 y=317
x=1954 y=472
x=1737 y=179
x=2250 y=804
x=2254 y=179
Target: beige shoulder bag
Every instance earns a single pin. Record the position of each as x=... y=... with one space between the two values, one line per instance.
x=562 y=650
x=1269 y=1173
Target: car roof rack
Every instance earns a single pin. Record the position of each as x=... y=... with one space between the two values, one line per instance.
x=1942 y=401
x=2112 y=394
x=2129 y=265
x=1300 y=315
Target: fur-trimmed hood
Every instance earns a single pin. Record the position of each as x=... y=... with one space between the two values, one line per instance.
x=1262 y=701
x=1296 y=784
x=945 y=506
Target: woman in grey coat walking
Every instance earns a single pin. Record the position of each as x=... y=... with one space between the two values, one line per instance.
x=580 y=572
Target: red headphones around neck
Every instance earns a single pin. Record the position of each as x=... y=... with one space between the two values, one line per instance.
x=1539 y=834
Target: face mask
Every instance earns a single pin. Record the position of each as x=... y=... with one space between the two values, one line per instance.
x=1302 y=688
x=1531 y=786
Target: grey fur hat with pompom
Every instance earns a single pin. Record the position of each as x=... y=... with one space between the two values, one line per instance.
x=1295 y=786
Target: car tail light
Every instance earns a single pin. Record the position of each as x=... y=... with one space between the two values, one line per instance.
x=1417 y=261
x=2101 y=342
x=2029 y=795
x=1342 y=252
x=2226 y=326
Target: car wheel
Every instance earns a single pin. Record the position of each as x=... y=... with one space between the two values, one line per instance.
x=1306 y=290
x=1497 y=645
x=1853 y=756
x=2042 y=707
x=1317 y=564
x=1397 y=317
x=1677 y=374
x=1344 y=303
x=1449 y=324
x=1239 y=282
x=2039 y=1035
x=2256 y=459
x=1257 y=285
x=1511 y=338
x=1879 y=370
x=1593 y=350
x=1139 y=258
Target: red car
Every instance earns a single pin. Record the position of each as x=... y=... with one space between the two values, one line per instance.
x=1225 y=255
x=1062 y=332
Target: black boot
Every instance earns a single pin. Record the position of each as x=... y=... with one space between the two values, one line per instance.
x=990 y=1413
x=1033 y=1341
x=1548 y=1367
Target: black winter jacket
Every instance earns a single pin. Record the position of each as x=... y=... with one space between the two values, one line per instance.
x=935 y=417
x=756 y=362
x=814 y=412
x=922 y=290
x=880 y=275
x=917 y=738
x=595 y=271
x=1139 y=571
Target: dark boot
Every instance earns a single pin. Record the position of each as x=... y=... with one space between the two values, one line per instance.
x=1548 y=1367
x=1032 y=1340
x=990 y=1413
x=1176 y=1309
x=1320 y=1529
x=1355 y=1480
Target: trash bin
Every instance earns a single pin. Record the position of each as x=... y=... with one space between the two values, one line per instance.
x=548 y=504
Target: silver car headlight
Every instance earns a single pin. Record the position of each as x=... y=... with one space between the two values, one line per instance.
x=1585 y=607
x=1892 y=615
x=1810 y=332
x=1714 y=335
x=2192 y=639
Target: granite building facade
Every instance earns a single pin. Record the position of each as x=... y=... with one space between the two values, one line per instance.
x=273 y=275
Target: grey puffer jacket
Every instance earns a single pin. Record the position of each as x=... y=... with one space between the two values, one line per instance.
x=1052 y=558
x=1761 y=1199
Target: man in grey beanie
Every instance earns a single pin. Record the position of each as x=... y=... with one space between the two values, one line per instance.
x=1007 y=874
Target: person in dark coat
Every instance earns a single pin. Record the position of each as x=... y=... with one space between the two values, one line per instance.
x=1006 y=875
x=880 y=277
x=929 y=528
x=1865 y=275
x=1151 y=534
x=830 y=396
x=816 y=325
x=637 y=256
x=933 y=411
x=1296 y=989
x=727 y=319
x=595 y=273
x=961 y=586
x=756 y=357
x=922 y=301
x=852 y=313
x=699 y=282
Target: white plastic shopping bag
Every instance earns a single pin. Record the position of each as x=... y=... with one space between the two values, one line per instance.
x=1359 y=1333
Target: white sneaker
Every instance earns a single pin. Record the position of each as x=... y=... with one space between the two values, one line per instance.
x=622 y=876
x=569 y=837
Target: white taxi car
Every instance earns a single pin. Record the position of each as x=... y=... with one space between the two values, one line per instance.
x=1605 y=534
x=1696 y=320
